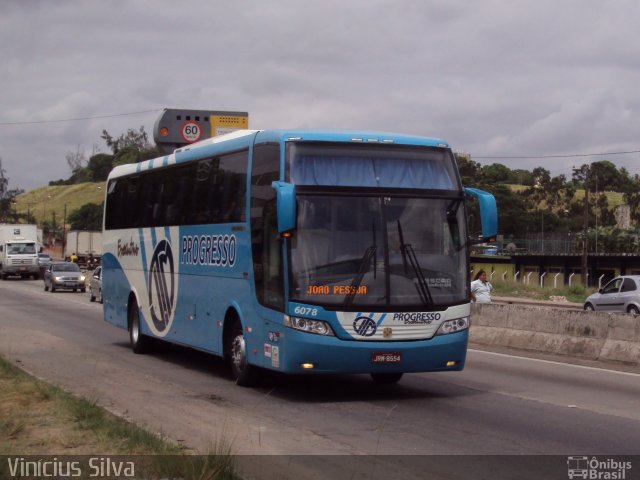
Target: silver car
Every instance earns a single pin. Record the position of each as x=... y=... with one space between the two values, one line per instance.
x=622 y=294
x=64 y=275
x=44 y=260
x=95 y=285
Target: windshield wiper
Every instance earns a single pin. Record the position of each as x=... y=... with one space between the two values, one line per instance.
x=357 y=280
x=407 y=251
x=452 y=209
x=452 y=212
x=375 y=246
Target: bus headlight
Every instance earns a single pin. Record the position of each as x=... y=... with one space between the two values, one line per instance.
x=453 y=326
x=307 y=325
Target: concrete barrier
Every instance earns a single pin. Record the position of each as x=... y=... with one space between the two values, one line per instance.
x=589 y=335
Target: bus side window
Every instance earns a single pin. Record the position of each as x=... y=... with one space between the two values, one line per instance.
x=265 y=244
x=231 y=192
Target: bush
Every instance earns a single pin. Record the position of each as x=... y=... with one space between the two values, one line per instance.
x=577 y=290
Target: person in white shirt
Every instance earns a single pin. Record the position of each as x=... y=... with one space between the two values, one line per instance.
x=481 y=288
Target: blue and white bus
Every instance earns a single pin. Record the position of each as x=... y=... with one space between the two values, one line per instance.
x=296 y=251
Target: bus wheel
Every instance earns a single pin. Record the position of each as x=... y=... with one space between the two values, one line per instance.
x=243 y=373
x=139 y=343
x=386 y=378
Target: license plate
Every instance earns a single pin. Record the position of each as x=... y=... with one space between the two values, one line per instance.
x=22 y=269
x=386 y=357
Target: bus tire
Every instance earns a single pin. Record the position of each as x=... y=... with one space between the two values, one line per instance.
x=139 y=343
x=386 y=378
x=243 y=373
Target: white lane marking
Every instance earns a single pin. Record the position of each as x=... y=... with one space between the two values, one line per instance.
x=555 y=363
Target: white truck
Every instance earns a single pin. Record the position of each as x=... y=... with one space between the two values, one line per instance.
x=84 y=244
x=18 y=251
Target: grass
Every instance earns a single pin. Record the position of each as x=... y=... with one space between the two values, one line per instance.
x=40 y=419
x=574 y=293
x=41 y=203
x=613 y=198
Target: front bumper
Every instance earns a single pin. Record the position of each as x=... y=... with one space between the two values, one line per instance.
x=21 y=269
x=329 y=354
x=67 y=284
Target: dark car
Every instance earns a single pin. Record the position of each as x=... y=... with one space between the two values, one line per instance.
x=64 y=275
x=95 y=285
x=622 y=294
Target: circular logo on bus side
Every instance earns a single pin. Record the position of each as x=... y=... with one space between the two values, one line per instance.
x=365 y=326
x=161 y=285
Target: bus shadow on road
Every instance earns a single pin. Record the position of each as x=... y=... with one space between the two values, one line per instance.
x=355 y=388
x=317 y=388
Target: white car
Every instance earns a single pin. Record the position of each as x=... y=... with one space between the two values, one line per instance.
x=622 y=294
x=95 y=285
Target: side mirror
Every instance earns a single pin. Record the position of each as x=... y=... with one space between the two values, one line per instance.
x=286 y=205
x=488 y=213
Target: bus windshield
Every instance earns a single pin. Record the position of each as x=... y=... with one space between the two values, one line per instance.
x=380 y=252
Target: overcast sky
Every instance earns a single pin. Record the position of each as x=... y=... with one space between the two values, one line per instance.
x=494 y=78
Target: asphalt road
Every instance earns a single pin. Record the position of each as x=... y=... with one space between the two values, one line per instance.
x=499 y=405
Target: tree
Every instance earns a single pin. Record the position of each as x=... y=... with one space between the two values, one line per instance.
x=606 y=175
x=75 y=160
x=138 y=139
x=469 y=170
x=632 y=196
x=87 y=217
x=496 y=173
x=521 y=177
x=7 y=198
x=99 y=166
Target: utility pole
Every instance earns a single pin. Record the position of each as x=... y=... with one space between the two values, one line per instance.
x=64 y=229
x=585 y=229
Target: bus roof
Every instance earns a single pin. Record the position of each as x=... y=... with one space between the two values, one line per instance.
x=243 y=138
x=364 y=136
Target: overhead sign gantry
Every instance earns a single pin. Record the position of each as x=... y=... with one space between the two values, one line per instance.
x=176 y=128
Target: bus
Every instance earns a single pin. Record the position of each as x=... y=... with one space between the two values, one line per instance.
x=303 y=252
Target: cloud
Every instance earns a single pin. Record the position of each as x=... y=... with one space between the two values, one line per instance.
x=493 y=78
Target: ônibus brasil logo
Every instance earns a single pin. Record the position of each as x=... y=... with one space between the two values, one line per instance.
x=161 y=285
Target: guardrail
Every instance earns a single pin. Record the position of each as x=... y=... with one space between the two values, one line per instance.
x=525 y=301
x=612 y=337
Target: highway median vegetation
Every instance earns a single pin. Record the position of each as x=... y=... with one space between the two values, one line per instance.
x=39 y=419
x=574 y=293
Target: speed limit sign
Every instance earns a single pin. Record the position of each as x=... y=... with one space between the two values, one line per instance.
x=191 y=132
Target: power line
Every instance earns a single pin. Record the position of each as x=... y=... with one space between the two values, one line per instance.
x=79 y=118
x=533 y=157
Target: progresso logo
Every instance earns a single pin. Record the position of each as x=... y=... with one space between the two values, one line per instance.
x=161 y=285
x=365 y=326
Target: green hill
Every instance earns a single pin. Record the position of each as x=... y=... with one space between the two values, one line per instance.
x=43 y=202
x=614 y=198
